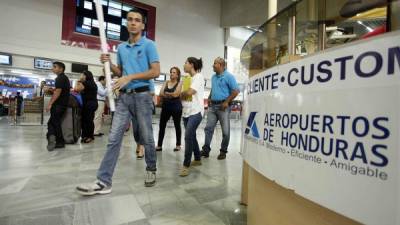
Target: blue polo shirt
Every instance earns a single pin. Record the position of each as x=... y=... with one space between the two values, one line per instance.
x=136 y=58
x=222 y=86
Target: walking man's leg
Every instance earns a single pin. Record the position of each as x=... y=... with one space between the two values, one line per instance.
x=51 y=133
x=209 y=130
x=142 y=112
x=107 y=166
x=54 y=134
x=225 y=125
x=138 y=140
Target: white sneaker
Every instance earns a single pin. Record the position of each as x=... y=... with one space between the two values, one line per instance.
x=94 y=188
x=150 y=178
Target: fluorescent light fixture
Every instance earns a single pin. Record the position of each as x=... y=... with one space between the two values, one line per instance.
x=116 y=5
x=95 y=23
x=87 y=21
x=362 y=24
x=21 y=72
x=126 y=8
x=88 y=5
x=331 y=28
x=113 y=27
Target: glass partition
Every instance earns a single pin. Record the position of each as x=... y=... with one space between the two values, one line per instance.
x=306 y=27
x=269 y=44
x=309 y=26
x=347 y=21
x=395 y=15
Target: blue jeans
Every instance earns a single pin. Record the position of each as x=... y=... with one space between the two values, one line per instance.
x=136 y=135
x=214 y=114
x=191 y=124
x=138 y=106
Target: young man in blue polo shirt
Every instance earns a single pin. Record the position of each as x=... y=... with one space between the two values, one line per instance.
x=223 y=90
x=138 y=63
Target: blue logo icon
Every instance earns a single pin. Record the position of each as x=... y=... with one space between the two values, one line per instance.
x=252 y=126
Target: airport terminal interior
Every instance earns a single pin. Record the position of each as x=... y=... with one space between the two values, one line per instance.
x=288 y=110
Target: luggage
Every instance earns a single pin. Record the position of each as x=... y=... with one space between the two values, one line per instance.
x=71 y=123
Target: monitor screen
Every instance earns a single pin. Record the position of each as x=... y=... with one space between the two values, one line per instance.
x=78 y=68
x=5 y=59
x=162 y=77
x=115 y=13
x=45 y=64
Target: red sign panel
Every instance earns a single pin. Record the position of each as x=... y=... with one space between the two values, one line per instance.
x=71 y=37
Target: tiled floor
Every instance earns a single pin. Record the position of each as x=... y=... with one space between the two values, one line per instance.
x=37 y=187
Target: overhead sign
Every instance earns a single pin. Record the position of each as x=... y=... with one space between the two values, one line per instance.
x=327 y=126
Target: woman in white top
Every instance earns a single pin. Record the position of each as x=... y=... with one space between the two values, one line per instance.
x=193 y=110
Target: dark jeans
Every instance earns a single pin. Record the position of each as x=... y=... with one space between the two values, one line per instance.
x=176 y=116
x=54 y=124
x=88 y=111
x=191 y=145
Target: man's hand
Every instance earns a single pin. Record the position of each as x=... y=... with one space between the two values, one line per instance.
x=224 y=106
x=104 y=58
x=48 y=108
x=121 y=82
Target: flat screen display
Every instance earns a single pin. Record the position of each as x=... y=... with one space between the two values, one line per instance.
x=5 y=59
x=78 y=68
x=45 y=64
x=114 y=16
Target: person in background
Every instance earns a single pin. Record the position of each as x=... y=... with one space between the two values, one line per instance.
x=88 y=89
x=20 y=101
x=101 y=98
x=171 y=106
x=193 y=110
x=57 y=107
x=41 y=89
x=137 y=62
x=223 y=90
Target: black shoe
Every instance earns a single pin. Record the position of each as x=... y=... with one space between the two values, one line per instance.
x=98 y=135
x=60 y=145
x=204 y=153
x=221 y=156
x=158 y=149
x=51 y=145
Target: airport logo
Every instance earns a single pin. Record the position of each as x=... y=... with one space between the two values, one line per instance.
x=252 y=126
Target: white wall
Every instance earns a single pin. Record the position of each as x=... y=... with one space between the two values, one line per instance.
x=244 y=12
x=188 y=28
x=184 y=28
